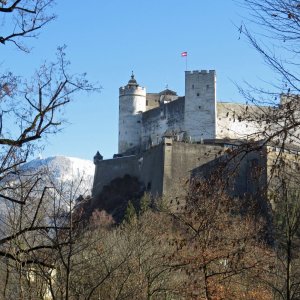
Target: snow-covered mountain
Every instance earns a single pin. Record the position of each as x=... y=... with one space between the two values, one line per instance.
x=65 y=170
x=66 y=178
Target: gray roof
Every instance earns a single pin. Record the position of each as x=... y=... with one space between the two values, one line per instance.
x=168 y=92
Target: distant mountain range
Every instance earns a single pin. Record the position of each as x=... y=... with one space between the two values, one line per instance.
x=68 y=178
x=65 y=170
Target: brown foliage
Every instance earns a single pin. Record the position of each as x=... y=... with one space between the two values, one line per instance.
x=219 y=247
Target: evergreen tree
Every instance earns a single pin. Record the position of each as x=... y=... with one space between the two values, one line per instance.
x=130 y=213
x=145 y=203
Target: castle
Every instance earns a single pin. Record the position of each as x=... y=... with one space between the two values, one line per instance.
x=165 y=139
x=144 y=118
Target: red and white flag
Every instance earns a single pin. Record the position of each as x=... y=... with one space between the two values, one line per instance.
x=183 y=53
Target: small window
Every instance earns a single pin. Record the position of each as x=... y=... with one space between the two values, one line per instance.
x=149 y=186
x=198 y=94
x=254 y=162
x=207 y=86
x=147 y=103
x=138 y=121
x=193 y=86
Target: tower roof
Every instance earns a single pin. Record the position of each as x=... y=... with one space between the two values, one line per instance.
x=132 y=81
x=168 y=92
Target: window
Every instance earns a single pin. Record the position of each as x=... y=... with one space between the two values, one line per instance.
x=149 y=186
x=198 y=94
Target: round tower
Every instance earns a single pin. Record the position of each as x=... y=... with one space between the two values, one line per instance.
x=132 y=103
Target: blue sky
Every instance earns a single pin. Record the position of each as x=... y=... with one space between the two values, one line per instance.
x=109 y=39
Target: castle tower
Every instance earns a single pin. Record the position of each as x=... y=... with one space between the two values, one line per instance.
x=200 y=104
x=132 y=102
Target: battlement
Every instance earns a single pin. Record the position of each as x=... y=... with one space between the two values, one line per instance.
x=124 y=90
x=200 y=72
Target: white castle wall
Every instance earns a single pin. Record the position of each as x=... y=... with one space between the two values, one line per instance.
x=167 y=118
x=231 y=122
x=236 y=121
x=132 y=102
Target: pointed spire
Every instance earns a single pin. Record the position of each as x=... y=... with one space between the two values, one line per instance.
x=132 y=81
x=98 y=157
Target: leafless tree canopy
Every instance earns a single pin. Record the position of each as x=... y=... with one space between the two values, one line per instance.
x=276 y=36
x=30 y=109
x=23 y=18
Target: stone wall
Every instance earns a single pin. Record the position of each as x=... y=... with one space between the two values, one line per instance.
x=109 y=169
x=283 y=166
x=151 y=169
x=161 y=169
x=182 y=158
x=156 y=122
x=153 y=100
x=147 y=167
x=200 y=104
x=243 y=174
x=231 y=123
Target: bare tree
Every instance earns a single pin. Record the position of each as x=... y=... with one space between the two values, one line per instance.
x=30 y=109
x=220 y=246
x=35 y=110
x=130 y=261
x=273 y=29
x=23 y=18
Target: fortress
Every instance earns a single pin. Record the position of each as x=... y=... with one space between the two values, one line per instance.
x=165 y=139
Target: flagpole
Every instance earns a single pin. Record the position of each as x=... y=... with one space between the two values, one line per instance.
x=185 y=54
x=186 y=63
